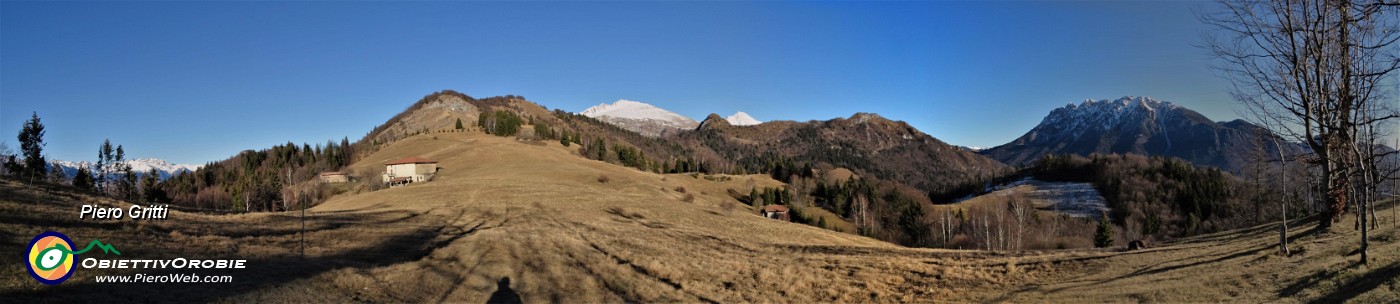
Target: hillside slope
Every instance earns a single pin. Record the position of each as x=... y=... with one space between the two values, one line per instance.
x=562 y=235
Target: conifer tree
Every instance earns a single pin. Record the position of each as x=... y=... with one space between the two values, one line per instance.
x=104 y=164
x=83 y=179
x=1103 y=236
x=56 y=174
x=126 y=180
x=151 y=192
x=31 y=146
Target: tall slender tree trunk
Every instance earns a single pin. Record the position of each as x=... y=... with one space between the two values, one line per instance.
x=1283 y=203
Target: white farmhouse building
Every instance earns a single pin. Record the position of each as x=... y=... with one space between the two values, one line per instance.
x=409 y=170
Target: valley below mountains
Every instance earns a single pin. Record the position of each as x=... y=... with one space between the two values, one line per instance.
x=629 y=202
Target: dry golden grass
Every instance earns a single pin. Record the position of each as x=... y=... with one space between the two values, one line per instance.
x=1234 y=266
x=833 y=221
x=536 y=214
x=998 y=199
x=839 y=175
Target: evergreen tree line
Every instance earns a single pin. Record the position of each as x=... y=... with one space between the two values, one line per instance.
x=877 y=209
x=500 y=123
x=978 y=185
x=767 y=196
x=255 y=180
x=597 y=148
x=112 y=175
x=599 y=140
x=1159 y=196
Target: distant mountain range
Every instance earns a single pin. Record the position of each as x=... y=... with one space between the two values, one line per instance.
x=653 y=121
x=1139 y=125
x=140 y=166
x=1136 y=125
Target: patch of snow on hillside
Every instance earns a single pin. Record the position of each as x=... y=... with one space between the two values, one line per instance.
x=1073 y=199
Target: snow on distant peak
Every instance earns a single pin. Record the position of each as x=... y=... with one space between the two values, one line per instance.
x=635 y=110
x=742 y=119
x=640 y=117
x=1074 y=119
x=140 y=166
x=146 y=164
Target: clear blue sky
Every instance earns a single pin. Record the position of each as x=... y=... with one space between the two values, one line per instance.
x=198 y=82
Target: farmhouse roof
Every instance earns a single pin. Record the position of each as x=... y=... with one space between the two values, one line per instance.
x=775 y=208
x=330 y=173
x=411 y=160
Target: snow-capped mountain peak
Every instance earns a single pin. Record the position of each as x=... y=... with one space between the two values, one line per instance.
x=1136 y=125
x=742 y=119
x=640 y=117
x=634 y=110
x=1104 y=114
x=139 y=166
x=146 y=164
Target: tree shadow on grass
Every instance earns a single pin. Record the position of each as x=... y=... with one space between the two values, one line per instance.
x=260 y=273
x=1373 y=278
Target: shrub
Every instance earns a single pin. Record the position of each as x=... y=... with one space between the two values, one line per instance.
x=688 y=198
x=680 y=189
x=604 y=179
x=717 y=178
x=728 y=206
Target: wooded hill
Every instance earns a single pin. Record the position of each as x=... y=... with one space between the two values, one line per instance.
x=259 y=180
x=1163 y=197
x=868 y=144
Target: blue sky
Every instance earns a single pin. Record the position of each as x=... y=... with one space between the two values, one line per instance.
x=198 y=82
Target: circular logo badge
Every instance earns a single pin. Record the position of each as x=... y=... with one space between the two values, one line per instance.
x=50 y=257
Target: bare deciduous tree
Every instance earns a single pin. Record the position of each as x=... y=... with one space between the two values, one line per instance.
x=1310 y=70
x=1318 y=71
